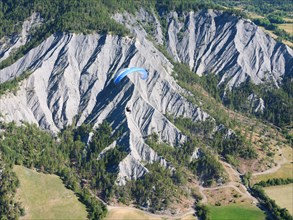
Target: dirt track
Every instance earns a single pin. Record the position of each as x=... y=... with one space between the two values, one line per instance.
x=274 y=169
x=235 y=183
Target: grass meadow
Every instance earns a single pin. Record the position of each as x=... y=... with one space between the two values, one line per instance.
x=237 y=212
x=44 y=196
x=283 y=195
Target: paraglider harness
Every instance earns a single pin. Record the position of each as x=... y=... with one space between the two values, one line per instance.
x=128 y=109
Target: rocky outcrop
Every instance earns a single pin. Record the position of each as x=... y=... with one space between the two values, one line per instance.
x=256 y=103
x=8 y=44
x=71 y=81
x=220 y=43
x=142 y=24
x=234 y=48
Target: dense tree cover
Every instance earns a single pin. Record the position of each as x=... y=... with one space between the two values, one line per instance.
x=207 y=167
x=210 y=82
x=101 y=170
x=65 y=15
x=277 y=212
x=96 y=210
x=178 y=155
x=273 y=18
x=29 y=146
x=259 y=6
x=9 y=209
x=203 y=211
x=156 y=190
x=279 y=106
x=204 y=129
x=277 y=101
x=232 y=145
x=275 y=182
x=245 y=178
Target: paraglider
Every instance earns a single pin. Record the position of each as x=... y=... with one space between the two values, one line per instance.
x=124 y=72
x=128 y=109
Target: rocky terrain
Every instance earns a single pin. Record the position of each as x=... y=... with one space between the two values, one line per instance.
x=8 y=44
x=71 y=82
x=71 y=77
x=217 y=42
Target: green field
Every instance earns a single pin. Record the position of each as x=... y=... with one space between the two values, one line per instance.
x=236 y=212
x=45 y=197
x=283 y=195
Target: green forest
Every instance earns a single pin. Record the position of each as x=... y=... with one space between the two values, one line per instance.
x=67 y=156
x=94 y=15
x=278 y=101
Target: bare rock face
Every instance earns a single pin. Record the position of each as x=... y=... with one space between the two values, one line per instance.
x=220 y=43
x=142 y=23
x=71 y=78
x=7 y=45
x=71 y=81
x=234 y=48
x=256 y=103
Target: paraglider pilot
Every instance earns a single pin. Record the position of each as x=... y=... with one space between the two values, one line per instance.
x=128 y=109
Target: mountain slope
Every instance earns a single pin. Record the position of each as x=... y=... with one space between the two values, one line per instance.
x=71 y=82
x=71 y=76
x=69 y=91
x=212 y=41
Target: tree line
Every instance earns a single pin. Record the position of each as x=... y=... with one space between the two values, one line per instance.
x=275 y=182
x=277 y=212
x=27 y=145
x=9 y=208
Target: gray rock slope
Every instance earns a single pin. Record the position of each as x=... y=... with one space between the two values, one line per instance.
x=8 y=44
x=71 y=77
x=72 y=82
x=217 y=42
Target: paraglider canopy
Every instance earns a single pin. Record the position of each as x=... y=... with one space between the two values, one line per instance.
x=124 y=72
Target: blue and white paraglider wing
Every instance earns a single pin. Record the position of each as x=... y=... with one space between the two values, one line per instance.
x=124 y=72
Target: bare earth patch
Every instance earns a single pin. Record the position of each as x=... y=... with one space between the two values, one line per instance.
x=225 y=196
x=288 y=27
x=130 y=213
